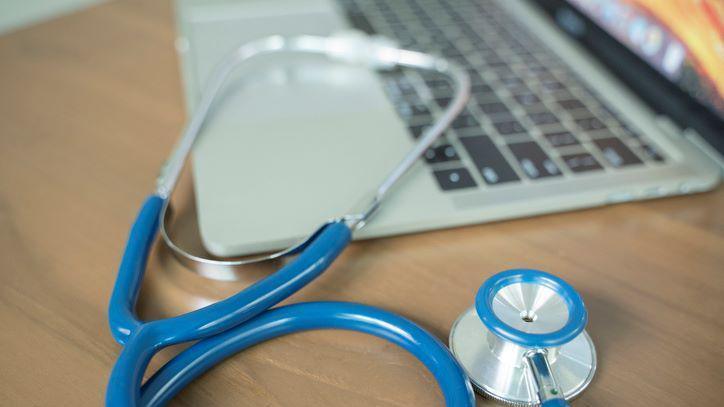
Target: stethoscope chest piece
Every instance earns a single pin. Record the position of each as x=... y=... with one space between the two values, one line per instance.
x=523 y=343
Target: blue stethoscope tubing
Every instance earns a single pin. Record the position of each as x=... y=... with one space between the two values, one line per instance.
x=245 y=319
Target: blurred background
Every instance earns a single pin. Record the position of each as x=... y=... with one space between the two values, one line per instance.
x=15 y=14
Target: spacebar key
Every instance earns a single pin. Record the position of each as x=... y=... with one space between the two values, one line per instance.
x=488 y=160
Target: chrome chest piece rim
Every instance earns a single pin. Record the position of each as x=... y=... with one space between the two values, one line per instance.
x=519 y=312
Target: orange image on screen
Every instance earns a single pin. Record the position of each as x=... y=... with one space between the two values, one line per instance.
x=699 y=25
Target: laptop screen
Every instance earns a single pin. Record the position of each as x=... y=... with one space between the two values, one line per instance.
x=681 y=39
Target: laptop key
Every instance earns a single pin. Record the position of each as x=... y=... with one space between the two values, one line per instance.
x=443 y=101
x=480 y=89
x=590 y=124
x=485 y=98
x=402 y=83
x=361 y=23
x=441 y=153
x=651 y=153
x=527 y=99
x=417 y=130
x=420 y=110
x=475 y=78
x=398 y=88
x=551 y=86
x=571 y=104
x=628 y=132
x=534 y=161
x=513 y=84
x=494 y=108
x=408 y=111
x=438 y=83
x=488 y=160
x=541 y=118
x=581 y=162
x=582 y=112
x=465 y=120
x=451 y=53
x=509 y=127
x=458 y=178
x=561 y=139
x=616 y=152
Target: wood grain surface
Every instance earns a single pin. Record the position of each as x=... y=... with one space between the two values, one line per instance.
x=89 y=107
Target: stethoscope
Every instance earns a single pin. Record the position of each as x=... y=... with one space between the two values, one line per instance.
x=501 y=356
x=523 y=342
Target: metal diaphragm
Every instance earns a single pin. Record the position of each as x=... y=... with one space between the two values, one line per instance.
x=497 y=368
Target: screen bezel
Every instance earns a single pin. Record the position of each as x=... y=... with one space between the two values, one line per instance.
x=662 y=95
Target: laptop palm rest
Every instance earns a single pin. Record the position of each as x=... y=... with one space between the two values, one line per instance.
x=294 y=141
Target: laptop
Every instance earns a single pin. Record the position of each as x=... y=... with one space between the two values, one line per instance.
x=575 y=104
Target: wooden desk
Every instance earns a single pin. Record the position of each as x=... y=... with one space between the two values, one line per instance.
x=89 y=107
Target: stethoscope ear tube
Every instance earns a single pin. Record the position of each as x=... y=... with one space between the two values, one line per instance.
x=202 y=356
x=121 y=317
x=555 y=403
x=244 y=319
x=143 y=339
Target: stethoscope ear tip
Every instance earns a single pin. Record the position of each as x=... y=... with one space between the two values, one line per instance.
x=519 y=316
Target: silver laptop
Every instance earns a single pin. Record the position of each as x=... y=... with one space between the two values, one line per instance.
x=572 y=106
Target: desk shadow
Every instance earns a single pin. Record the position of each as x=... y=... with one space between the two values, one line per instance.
x=608 y=326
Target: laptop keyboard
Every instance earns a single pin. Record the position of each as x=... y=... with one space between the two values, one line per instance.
x=530 y=118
